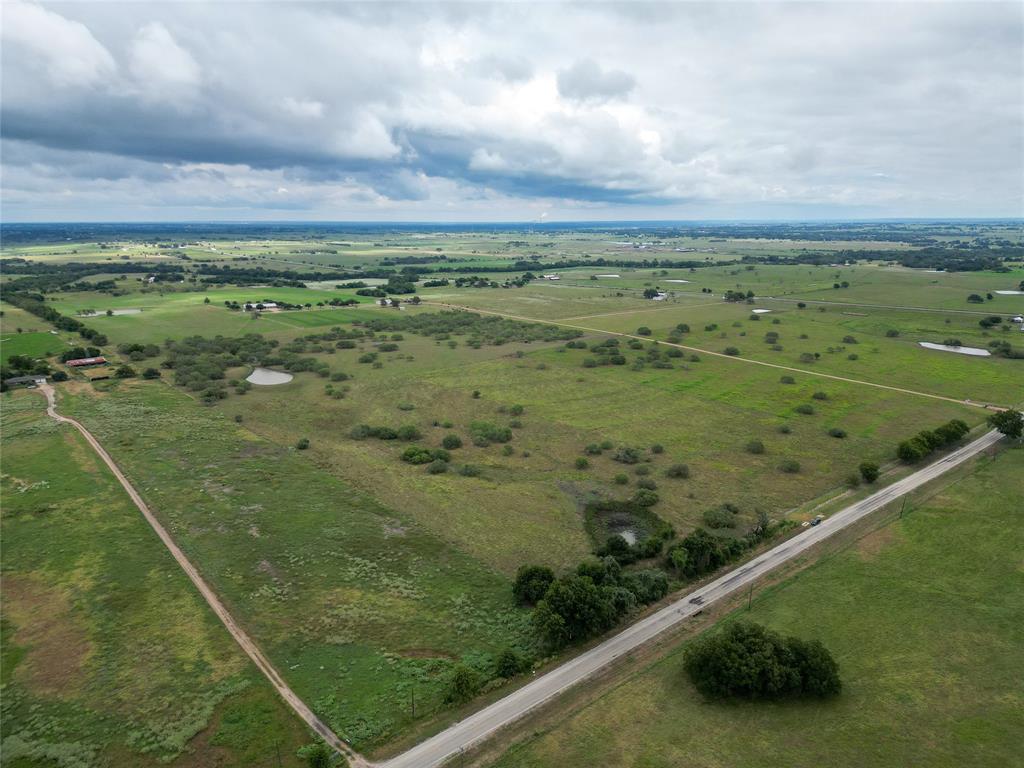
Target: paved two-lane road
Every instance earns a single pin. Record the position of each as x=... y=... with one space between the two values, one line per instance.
x=459 y=737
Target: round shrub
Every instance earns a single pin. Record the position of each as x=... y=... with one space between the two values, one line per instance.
x=731 y=351
x=620 y=479
x=785 y=429
x=643 y=330
x=870 y=471
x=469 y=470
x=787 y=380
x=451 y=442
x=437 y=467
x=789 y=466
x=678 y=471
x=408 y=432
x=820 y=396
x=647 y=483
x=755 y=446
x=642 y=470
x=657 y=448
x=582 y=462
x=303 y=444
x=805 y=409
x=837 y=432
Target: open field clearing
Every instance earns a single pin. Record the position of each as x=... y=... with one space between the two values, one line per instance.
x=897 y=361
x=924 y=617
x=354 y=602
x=109 y=655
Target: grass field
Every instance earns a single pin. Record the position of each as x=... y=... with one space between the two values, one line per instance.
x=355 y=602
x=109 y=654
x=702 y=413
x=925 y=618
x=366 y=579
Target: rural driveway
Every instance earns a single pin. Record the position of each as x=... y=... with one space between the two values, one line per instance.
x=240 y=635
x=703 y=351
x=466 y=733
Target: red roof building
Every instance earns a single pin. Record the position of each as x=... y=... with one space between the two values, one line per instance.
x=84 y=362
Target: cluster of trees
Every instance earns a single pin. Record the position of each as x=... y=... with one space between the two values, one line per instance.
x=475 y=281
x=34 y=303
x=134 y=352
x=591 y=600
x=1005 y=349
x=41 y=277
x=483 y=433
x=746 y=660
x=482 y=329
x=740 y=296
x=924 y=443
x=199 y=363
x=700 y=552
x=23 y=365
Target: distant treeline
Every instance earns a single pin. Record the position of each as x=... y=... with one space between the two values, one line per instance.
x=932 y=257
x=34 y=303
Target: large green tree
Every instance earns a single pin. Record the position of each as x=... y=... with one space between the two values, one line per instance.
x=1010 y=422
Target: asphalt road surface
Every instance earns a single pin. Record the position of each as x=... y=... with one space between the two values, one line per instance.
x=466 y=733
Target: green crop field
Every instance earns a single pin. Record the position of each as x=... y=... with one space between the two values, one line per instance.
x=109 y=654
x=926 y=620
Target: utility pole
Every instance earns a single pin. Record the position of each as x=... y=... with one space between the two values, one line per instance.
x=903 y=506
x=750 y=595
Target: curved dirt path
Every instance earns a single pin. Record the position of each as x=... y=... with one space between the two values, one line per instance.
x=716 y=354
x=241 y=637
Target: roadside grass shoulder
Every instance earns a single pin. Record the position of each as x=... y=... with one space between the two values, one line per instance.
x=924 y=617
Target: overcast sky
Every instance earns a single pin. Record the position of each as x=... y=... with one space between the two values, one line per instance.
x=418 y=112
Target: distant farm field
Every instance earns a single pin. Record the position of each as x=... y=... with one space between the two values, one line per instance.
x=925 y=618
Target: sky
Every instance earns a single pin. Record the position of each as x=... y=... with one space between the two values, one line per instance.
x=147 y=111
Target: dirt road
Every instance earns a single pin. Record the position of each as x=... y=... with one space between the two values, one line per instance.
x=703 y=351
x=241 y=637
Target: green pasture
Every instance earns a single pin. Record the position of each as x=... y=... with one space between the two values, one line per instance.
x=898 y=361
x=110 y=656
x=354 y=601
x=527 y=503
x=926 y=620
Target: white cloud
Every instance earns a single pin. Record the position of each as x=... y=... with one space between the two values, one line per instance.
x=164 y=70
x=305 y=108
x=587 y=81
x=72 y=57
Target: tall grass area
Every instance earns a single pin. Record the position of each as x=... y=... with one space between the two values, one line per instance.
x=355 y=603
x=109 y=654
x=926 y=619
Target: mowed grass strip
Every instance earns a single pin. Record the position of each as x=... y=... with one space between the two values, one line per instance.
x=926 y=620
x=109 y=654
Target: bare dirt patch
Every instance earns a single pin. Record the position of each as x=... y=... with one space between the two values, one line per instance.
x=56 y=641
